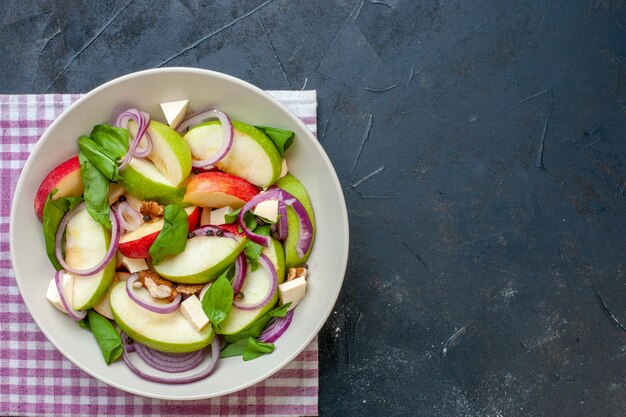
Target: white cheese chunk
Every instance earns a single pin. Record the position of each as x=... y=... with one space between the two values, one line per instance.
x=267 y=209
x=285 y=169
x=205 y=217
x=191 y=309
x=292 y=291
x=134 y=265
x=217 y=216
x=53 y=294
x=175 y=112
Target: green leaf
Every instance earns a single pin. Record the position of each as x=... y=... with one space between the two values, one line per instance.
x=218 y=300
x=96 y=191
x=105 y=146
x=231 y=217
x=107 y=337
x=282 y=138
x=84 y=324
x=53 y=212
x=255 y=329
x=172 y=239
x=249 y=348
x=234 y=349
x=92 y=152
x=253 y=250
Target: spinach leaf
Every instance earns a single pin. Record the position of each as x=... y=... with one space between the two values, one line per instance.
x=84 y=324
x=107 y=337
x=255 y=329
x=231 y=217
x=172 y=239
x=249 y=348
x=96 y=191
x=253 y=250
x=53 y=212
x=105 y=146
x=282 y=138
x=218 y=300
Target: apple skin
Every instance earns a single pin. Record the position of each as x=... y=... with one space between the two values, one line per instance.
x=294 y=187
x=140 y=248
x=218 y=189
x=65 y=178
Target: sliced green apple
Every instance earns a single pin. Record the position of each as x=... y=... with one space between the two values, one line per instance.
x=86 y=244
x=294 y=187
x=253 y=156
x=165 y=332
x=255 y=287
x=204 y=258
x=159 y=176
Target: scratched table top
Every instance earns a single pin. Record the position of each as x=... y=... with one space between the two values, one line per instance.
x=481 y=148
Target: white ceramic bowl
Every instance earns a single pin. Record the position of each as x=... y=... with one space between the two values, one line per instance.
x=243 y=101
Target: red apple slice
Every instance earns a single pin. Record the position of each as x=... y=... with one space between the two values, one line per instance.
x=218 y=189
x=65 y=178
x=136 y=244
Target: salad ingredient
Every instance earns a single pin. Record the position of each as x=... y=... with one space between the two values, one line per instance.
x=134 y=265
x=204 y=258
x=156 y=286
x=252 y=297
x=169 y=362
x=253 y=155
x=282 y=138
x=292 y=292
x=218 y=216
x=104 y=147
x=206 y=371
x=107 y=337
x=151 y=303
x=65 y=298
x=136 y=244
x=293 y=255
x=65 y=178
x=254 y=328
x=104 y=306
x=276 y=328
x=226 y=142
x=172 y=239
x=129 y=218
x=282 y=225
x=249 y=348
x=205 y=216
x=218 y=189
x=267 y=210
x=152 y=209
x=164 y=332
x=175 y=112
x=241 y=270
x=96 y=191
x=218 y=300
x=294 y=273
x=116 y=193
x=191 y=308
x=52 y=294
x=284 y=169
x=53 y=213
x=189 y=289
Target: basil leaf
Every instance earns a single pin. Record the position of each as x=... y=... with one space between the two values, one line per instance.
x=218 y=300
x=107 y=337
x=255 y=329
x=253 y=250
x=234 y=349
x=84 y=324
x=282 y=138
x=231 y=217
x=172 y=239
x=96 y=191
x=255 y=348
x=53 y=212
x=99 y=159
x=105 y=146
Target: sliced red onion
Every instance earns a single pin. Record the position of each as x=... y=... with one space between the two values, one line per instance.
x=282 y=225
x=115 y=238
x=124 y=211
x=276 y=328
x=305 y=234
x=155 y=307
x=169 y=362
x=143 y=121
x=271 y=271
x=215 y=356
x=241 y=267
x=227 y=141
x=74 y=314
x=202 y=231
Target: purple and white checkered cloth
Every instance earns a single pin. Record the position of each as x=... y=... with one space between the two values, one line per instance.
x=36 y=380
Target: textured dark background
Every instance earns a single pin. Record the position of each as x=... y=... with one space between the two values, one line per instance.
x=466 y=226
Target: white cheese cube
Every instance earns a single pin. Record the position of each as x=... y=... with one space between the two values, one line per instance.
x=292 y=291
x=191 y=309
x=217 y=216
x=267 y=209
x=285 y=169
x=53 y=294
x=134 y=265
x=175 y=112
x=205 y=217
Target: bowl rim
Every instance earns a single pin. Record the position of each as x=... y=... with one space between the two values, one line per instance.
x=328 y=165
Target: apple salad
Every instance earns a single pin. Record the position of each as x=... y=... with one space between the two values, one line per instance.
x=177 y=244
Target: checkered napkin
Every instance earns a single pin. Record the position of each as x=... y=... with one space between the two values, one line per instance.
x=36 y=380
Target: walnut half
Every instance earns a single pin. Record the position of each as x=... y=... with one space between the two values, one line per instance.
x=297 y=273
x=157 y=286
x=151 y=209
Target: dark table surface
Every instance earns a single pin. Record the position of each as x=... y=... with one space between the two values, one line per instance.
x=482 y=148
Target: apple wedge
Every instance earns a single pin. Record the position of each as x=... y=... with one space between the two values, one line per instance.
x=204 y=258
x=255 y=287
x=136 y=244
x=164 y=332
x=159 y=176
x=86 y=244
x=294 y=187
x=218 y=189
x=104 y=305
x=65 y=178
x=253 y=156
